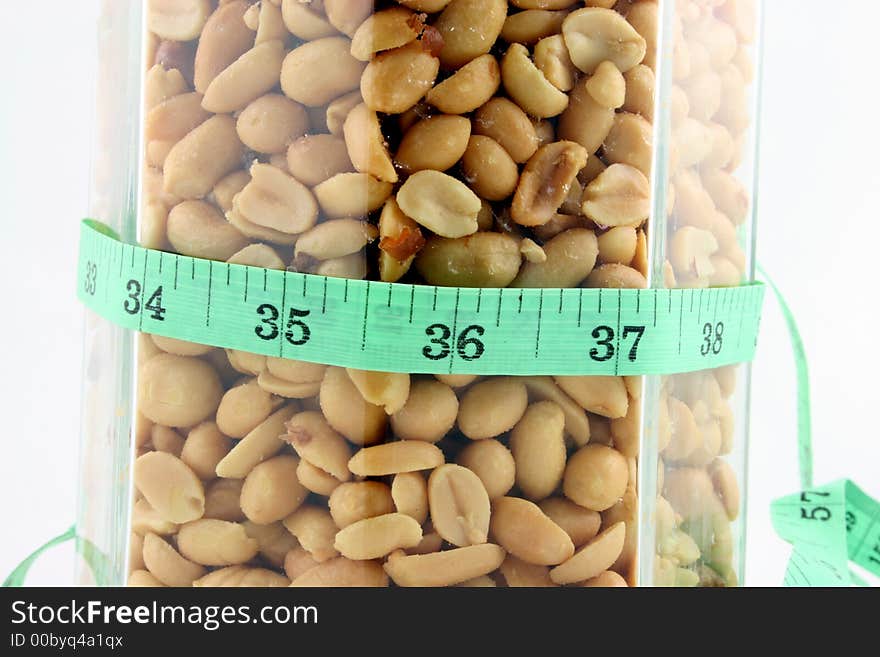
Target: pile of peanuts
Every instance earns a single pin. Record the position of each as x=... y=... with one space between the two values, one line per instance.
x=468 y=143
x=707 y=205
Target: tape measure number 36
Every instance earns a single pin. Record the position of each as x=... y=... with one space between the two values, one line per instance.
x=413 y=328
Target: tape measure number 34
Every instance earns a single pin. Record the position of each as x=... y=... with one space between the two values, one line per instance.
x=415 y=328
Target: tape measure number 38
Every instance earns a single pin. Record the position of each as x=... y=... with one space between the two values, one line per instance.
x=416 y=328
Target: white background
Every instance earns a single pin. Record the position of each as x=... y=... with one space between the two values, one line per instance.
x=819 y=236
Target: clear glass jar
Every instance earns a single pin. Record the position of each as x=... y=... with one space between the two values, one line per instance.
x=469 y=143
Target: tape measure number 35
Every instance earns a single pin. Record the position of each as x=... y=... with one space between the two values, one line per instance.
x=414 y=328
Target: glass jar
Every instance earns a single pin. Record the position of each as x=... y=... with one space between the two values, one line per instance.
x=471 y=143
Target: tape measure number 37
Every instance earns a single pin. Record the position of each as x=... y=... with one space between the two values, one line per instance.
x=414 y=328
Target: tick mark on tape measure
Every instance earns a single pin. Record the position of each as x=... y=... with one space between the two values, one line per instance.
x=132 y=257
x=412 y=301
x=305 y=282
x=228 y=273
x=366 y=310
x=161 y=253
x=656 y=292
x=266 y=279
x=540 y=312
x=580 y=305
x=389 y=295
x=144 y=279
x=500 y=301
x=479 y=298
x=210 y=282
x=324 y=300
x=283 y=302
x=176 y=268
x=345 y=292
x=617 y=350
x=121 y=253
x=692 y=301
x=520 y=301
x=193 y=262
x=699 y=308
x=454 y=328
x=245 y=284
x=560 y=302
x=600 y=300
x=680 y=321
x=669 y=294
x=638 y=303
x=435 y=299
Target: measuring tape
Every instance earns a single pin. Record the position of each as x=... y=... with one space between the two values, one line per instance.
x=416 y=328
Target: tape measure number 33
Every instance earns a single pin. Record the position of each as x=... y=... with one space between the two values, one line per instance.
x=414 y=328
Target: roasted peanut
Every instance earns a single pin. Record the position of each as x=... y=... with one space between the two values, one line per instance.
x=579 y=523
x=167 y=565
x=528 y=86
x=538 y=449
x=585 y=121
x=355 y=501
x=319 y=71
x=492 y=407
x=197 y=229
x=428 y=413
x=481 y=260
x=177 y=20
x=346 y=410
x=603 y=395
x=546 y=181
x=468 y=29
x=261 y=443
x=507 y=124
x=201 y=159
x=204 y=448
x=315 y=530
x=271 y=490
x=551 y=58
x=385 y=30
x=372 y=538
x=595 y=35
x=270 y=123
x=178 y=391
x=531 y=25
x=215 y=543
x=522 y=529
x=306 y=20
x=274 y=200
x=316 y=442
x=488 y=169
x=397 y=79
x=393 y=458
x=468 y=88
x=437 y=142
x=443 y=568
x=571 y=256
x=224 y=38
x=315 y=158
x=366 y=144
x=440 y=203
x=170 y=487
x=595 y=477
x=594 y=558
x=459 y=505
x=351 y=194
x=253 y=74
x=409 y=491
x=343 y=572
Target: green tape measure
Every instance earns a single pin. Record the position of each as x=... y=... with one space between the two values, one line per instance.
x=829 y=527
x=416 y=328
